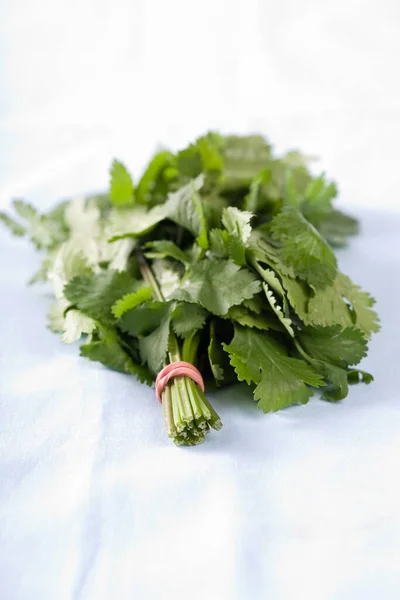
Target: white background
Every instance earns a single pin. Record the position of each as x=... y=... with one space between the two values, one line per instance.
x=85 y=80
x=95 y=503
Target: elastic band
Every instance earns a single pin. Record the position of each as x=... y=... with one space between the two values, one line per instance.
x=180 y=367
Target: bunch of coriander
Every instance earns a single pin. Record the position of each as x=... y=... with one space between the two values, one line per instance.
x=220 y=256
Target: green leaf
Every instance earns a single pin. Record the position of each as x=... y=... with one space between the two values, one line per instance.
x=165 y=249
x=184 y=208
x=13 y=226
x=55 y=315
x=252 y=199
x=95 y=295
x=44 y=231
x=298 y=293
x=237 y=224
x=286 y=322
x=318 y=197
x=244 y=157
x=122 y=305
x=262 y=250
x=303 y=249
x=219 y=243
x=181 y=207
x=65 y=264
x=337 y=387
x=108 y=351
x=327 y=307
x=143 y=319
x=357 y=376
x=272 y=280
x=187 y=318
x=188 y=162
x=75 y=325
x=361 y=302
x=153 y=347
x=243 y=316
x=343 y=303
x=336 y=227
x=208 y=147
x=168 y=275
x=281 y=380
x=340 y=347
x=25 y=210
x=217 y=358
x=217 y=285
x=202 y=238
x=121 y=184
x=156 y=166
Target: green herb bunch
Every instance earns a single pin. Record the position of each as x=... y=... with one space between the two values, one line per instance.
x=221 y=256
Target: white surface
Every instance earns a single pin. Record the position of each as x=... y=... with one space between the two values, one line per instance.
x=95 y=503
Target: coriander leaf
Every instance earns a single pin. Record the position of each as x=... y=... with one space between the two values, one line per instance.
x=55 y=315
x=356 y=375
x=168 y=275
x=13 y=226
x=44 y=231
x=298 y=293
x=361 y=302
x=187 y=318
x=303 y=249
x=25 y=210
x=335 y=227
x=143 y=319
x=208 y=146
x=121 y=184
x=153 y=347
x=289 y=193
x=244 y=157
x=76 y=324
x=252 y=199
x=165 y=249
x=122 y=305
x=156 y=166
x=336 y=377
x=217 y=357
x=340 y=347
x=331 y=306
x=108 y=351
x=95 y=295
x=83 y=218
x=237 y=224
x=318 y=197
x=327 y=307
x=256 y=304
x=243 y=316
x=188 y=162
x=272 y=280
x=219 y=243
x=181 y=207
x=184 y=208
x=281 y=380
x=263 y=251
x=135 y=222
x=286 y=322
x=67 y=262
x=217 y=285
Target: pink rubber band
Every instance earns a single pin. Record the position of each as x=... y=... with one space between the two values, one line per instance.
x=180 y=367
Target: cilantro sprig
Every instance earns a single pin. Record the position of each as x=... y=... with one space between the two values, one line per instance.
x=221 y=255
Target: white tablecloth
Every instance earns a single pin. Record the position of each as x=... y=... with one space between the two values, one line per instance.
x=96 y=503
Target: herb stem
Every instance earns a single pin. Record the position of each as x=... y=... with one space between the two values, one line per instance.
x=187 y=413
